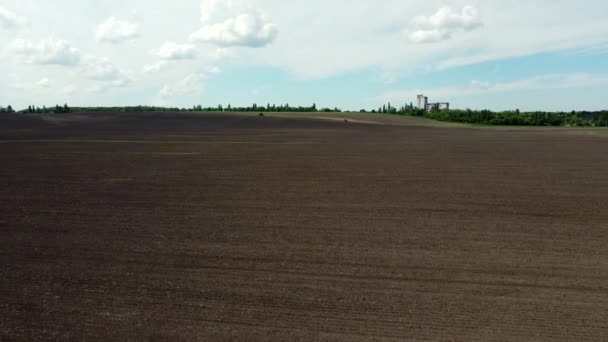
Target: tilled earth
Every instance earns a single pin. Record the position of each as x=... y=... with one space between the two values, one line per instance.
x=208 y=227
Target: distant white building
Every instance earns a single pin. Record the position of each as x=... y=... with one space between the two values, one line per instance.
x=423 y=103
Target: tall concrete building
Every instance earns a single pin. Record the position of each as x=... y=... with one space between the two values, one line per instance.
x=423 y=103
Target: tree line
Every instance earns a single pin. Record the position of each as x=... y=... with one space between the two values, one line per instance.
x=8 y=109
x=219 y=108
x=45 y=109
x=504 y=118
x=482 y=117
x=268 y=108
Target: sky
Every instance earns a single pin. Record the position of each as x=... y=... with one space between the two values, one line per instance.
x=479 y=54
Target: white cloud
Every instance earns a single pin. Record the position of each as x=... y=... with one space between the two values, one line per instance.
x=156 y=67
x=318 y=39
x=46 y=52
x=549 y=81
x=9 y=20
x=114 y=31
x=101 y=69
x=191 y=85
x=443 y=24
x=234 y=23
x=106 y=74
x=44 y=83
x=174 y=51
x=428 y=36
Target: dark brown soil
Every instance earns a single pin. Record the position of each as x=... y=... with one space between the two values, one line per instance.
x=207 y=227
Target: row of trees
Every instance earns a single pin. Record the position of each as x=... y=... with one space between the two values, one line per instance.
x=127 y=109
x=483 y=117
x=44 y=109
x=517 y=118
x=513 y=118
x=8 y=109
x=389 y=109
x=268 y=108
x=220 y=108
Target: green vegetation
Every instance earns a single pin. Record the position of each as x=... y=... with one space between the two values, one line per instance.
x=8 y=109
x=504 y=118
x=44 y=109
x=468 y=116
x=220 y=108
x=517 y=118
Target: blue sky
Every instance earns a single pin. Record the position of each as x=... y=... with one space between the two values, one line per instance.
x=474 y=54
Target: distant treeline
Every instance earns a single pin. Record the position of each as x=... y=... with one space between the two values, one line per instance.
x=220 y=108
x=199 y=108
x=44 y=109
x=8 y=109
x=510 y=118
x=482 y=117
x=517 y=118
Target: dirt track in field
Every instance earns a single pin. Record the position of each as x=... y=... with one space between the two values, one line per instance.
x=190 y=227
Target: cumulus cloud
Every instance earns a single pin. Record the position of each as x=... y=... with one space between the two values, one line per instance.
x=46 y=52
x=44 y=83
x=234 y=23
x=104 y=71
x=156 y=67
x=101 y=69
x=9 y=20
x=115 y=31
x=174 y=51
x=191 y=85
x=443 y=24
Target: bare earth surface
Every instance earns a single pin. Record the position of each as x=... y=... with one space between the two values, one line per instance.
x=207 y=227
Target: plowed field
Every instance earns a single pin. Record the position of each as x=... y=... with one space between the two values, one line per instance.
x=227 y=227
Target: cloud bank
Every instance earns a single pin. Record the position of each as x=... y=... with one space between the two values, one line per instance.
x=115 y=31
x=10 y=20
x=443 y=25
x=175 y=51
x=234 y=23
x=46 y=52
